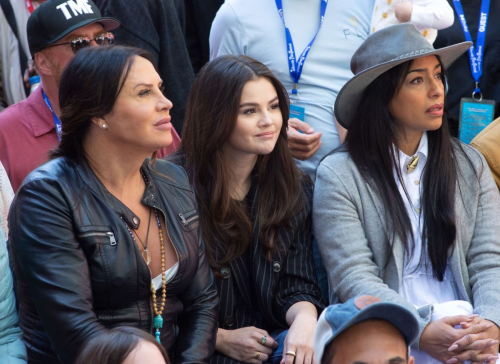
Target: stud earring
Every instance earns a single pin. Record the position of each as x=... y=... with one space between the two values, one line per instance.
x=104 y=126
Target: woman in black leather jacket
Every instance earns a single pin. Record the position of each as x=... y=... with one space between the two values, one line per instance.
x=92 y=227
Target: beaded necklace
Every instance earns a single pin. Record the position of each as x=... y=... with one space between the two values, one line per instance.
x=158 y=320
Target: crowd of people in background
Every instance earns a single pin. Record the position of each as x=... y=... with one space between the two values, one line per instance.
x=265 y=181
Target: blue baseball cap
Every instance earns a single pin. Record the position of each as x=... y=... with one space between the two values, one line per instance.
x=335 y=319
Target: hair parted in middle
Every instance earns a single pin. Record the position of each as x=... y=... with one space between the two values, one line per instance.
x=370 y=141
x=210 y=119
x=89 y=87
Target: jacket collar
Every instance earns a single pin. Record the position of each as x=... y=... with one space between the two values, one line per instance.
x=150 y=197
x=38 y=114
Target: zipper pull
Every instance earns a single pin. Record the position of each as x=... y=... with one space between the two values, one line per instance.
x=112 y=240
x=183 y=220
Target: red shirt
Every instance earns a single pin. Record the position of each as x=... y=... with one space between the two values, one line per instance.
x=27 y=134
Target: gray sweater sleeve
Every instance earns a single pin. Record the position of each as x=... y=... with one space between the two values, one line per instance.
x=483 y=255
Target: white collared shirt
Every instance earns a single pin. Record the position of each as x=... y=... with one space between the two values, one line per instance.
x=418 y=286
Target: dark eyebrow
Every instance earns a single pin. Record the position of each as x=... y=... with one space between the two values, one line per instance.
x=422 y=69
x=255 y=104
x=143 y=84
x=396 y=360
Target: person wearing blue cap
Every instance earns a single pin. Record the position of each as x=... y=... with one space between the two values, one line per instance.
x=365 y=330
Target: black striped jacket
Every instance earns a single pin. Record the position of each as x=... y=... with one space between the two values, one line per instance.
x=255 y=291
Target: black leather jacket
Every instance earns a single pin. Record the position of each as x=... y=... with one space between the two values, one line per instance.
x=78 y=271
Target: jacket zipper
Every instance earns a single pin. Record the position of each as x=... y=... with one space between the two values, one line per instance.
x=185 y=221
x=112 y=240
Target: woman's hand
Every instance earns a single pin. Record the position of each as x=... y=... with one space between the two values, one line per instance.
x=245 y=344
x=440 y=335
x=477 y=345
x=300 y=340
x=302 y=318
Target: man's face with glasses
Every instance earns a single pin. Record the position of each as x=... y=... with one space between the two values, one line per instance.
x=60 y=53
x=82 y=42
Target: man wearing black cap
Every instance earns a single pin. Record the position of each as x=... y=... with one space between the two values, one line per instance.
x=56 y=30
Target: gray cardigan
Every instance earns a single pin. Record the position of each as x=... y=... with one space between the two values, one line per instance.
x=353 y=237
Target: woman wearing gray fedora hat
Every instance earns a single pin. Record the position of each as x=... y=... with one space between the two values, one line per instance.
x=406 y=213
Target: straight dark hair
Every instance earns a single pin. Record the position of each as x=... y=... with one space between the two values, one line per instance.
x=370 y=142
x=114 y=345
x=210 y=119
x=89 y=87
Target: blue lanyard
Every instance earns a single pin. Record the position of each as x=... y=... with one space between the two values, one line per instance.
x=57 y=122
x=295 y=65
x=475 y=54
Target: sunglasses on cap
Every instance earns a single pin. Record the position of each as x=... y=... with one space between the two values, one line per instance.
x=82 y=42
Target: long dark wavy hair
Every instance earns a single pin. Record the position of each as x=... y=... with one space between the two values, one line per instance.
x=210 y=118
x=369 y=141
x=89 y=87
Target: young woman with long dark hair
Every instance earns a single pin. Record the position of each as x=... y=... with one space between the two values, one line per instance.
x=403 y=211
x=98 y=235
x=255 y=213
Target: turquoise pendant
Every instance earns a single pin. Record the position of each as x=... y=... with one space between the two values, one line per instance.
x=158 y=322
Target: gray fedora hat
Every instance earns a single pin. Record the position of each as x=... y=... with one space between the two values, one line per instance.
x=381 y=51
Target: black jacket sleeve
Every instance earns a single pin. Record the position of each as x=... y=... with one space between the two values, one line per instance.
x=53 y=266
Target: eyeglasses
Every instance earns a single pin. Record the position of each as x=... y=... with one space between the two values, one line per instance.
x=82 y=42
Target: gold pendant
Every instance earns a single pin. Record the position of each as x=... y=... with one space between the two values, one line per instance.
x=412 y=164
x=146 y=256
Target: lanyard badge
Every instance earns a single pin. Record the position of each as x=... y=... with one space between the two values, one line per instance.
x=475 y=112
x=57 y=122
x=295 y=65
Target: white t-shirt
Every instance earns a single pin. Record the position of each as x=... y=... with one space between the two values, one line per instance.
x=255 y=29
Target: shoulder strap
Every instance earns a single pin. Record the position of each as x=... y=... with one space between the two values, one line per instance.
x=11 y=19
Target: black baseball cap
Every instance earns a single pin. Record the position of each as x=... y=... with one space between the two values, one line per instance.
x=54 y=19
